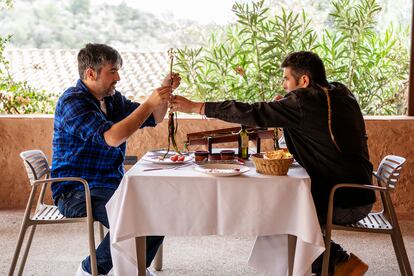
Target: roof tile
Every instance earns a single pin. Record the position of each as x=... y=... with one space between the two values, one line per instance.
x=54 y=70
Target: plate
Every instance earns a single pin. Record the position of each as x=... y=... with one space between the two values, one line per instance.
x=295 y=163
x=222 y=169
x=161 y=152
x=156 y=160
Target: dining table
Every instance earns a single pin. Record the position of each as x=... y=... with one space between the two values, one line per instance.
x=180 y=199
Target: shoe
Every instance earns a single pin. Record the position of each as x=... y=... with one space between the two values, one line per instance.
x=81 y=272
x=149 y=273
x=354 y=266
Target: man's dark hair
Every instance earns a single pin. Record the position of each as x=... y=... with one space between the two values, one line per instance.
x=96 y=56
x=306 y=63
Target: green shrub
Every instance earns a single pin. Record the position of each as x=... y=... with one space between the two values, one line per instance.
x=18 y=97
x=374 y=65
x=243 y=61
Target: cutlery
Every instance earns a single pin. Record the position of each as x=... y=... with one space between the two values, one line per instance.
x=167 y=168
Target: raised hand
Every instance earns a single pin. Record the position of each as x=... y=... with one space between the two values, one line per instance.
x=176 y=80
x=159 y=96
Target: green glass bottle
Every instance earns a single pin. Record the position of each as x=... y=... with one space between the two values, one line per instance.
x=243 y=143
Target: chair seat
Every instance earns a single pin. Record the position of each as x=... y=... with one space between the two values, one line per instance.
x=373 y=221
x=48 y=212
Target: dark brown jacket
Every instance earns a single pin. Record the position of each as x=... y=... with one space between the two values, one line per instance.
x=303 y=114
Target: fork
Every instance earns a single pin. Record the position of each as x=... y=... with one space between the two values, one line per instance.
x=167 y=168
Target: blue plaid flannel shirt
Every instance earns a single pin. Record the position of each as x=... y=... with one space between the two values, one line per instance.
x=79 y=148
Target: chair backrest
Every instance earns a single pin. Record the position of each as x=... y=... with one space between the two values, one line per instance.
x=36 y=164
x=389 y=170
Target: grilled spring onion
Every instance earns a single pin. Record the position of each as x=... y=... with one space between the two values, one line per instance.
x=172 y=120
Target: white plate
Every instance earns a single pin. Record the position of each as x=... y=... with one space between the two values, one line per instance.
x=155 y=159
x=222 y=169
x=161 y=152
x=295 y=163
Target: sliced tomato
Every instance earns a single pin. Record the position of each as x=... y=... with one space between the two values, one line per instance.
x=174 y=158
x=181 y=158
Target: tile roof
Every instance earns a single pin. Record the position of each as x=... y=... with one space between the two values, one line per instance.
x=54 y=70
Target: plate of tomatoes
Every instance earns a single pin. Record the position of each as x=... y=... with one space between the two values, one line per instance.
x=170 y=159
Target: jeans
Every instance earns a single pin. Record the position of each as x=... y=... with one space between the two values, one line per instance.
x=341 y=216
x=73 y=205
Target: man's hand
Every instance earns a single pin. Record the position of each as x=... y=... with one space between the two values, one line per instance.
x=179 y=103
x=159 y=96
x=175 y=80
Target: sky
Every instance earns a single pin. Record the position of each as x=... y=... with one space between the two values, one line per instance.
x=218 y=11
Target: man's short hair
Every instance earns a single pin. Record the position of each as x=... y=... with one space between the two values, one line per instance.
x=96 y=56
x=306 y=63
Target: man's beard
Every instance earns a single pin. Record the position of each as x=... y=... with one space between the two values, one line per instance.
x=111 y=91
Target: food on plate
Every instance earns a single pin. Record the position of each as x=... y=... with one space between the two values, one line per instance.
x=223 y=170
x=277 y=154
x=218 y=169
x=177 y=158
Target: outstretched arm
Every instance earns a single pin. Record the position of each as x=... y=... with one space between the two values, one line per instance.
x=285 y=112
x=182 y=104
x=119 y=132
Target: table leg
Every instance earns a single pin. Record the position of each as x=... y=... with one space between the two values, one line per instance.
x=141 y=248
x=291 y=252
x=158 y=259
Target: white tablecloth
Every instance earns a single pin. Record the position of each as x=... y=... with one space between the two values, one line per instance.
x=185 y=202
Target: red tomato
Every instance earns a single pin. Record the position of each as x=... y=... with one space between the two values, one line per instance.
x=174 y=158
x=181 y=158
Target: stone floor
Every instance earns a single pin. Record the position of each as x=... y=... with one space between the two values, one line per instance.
x=57 y=250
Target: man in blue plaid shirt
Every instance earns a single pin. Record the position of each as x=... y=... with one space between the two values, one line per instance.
x=92 y=123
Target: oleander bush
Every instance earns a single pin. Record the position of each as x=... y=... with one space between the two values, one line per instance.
x=243 y=61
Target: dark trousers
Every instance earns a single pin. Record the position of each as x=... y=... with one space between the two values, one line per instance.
x=341 y=216
x=73 y=205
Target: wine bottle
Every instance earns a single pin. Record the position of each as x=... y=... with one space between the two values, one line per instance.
x=243 y=143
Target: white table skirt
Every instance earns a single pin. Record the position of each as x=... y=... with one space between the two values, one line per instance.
x=185 y=202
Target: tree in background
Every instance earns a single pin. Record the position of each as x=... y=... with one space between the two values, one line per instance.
x=73 y=23
x=18 y=97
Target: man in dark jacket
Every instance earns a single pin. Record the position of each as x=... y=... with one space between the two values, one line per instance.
x=324 y=130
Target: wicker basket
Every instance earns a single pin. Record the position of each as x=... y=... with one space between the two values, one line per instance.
x=271 y=166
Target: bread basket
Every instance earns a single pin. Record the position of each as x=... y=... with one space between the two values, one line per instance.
x=271 y=166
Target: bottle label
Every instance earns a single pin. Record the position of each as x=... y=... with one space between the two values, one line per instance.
x=244 y=141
